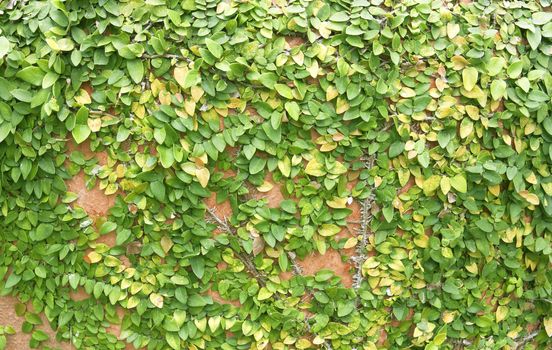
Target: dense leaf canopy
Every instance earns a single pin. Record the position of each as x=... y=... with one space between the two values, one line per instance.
x=412 y=139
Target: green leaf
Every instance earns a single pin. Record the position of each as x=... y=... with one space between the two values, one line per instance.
x=42 y=232
x=344 y=308
x=12 y=280
x=136 y=70
x=198 y=266
x=32 y=75
x=484 y=225
x=122 y=236
x=256 y=165
x=284 y=91
x=80 y=133
x=264 y=294
x=5 y=129
x=469 y=78
x=395 y=149
x=196 y=301
x=288 y=206
x=495 y=66
x=498 y=89
x=328 y=230
x=268 y=79
x=534 y=38
x=214 y=48
x=293 y=110
x=4 y=46
x=514 y=69
x=173 y=340
x=459 y=183
x=40 y=335
x=108 y=226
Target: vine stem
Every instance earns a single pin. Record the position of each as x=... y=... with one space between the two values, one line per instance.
x=298 y=271
x=246 y=261
x=519 y=342
x=365 y=219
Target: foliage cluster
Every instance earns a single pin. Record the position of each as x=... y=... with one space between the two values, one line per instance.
x=432 y=116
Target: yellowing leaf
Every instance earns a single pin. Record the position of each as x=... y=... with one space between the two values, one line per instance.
x=431 y=184
x=94 y=257
x=548 y=326
x=313 y=69
x=315 y=168
x=203 y=176
x=197 y=93
x=328 y=230
x=166 y=243
x=331 y=93
x=501 y=313
x=342 y=106
x=351 y=242
x=265 y=187
x=180 y=75
x=469 y=78
x=264 y=294
x=530 y=197
x=473 y=112
x=445 y=184
x=466 y=128
x=284 y=166
x=452 y=29
x=156 y=300
x=94 y=124
x=458 y=182
x=337 y=203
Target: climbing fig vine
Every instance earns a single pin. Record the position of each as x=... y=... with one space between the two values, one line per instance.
x=325 y=174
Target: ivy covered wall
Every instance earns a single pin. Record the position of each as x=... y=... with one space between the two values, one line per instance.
x=338 y=174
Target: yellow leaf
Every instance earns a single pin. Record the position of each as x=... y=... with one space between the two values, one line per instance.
x=342 y=106
x=431 y=184
x=156 y=300
x=189 y=107
x=407 y=92
x=94 y=257
x=94 y=124
x=132 y=302
x=530 y=197
x=472 y=268
x=459 y=62
x=448 y=316
x=197 y=92
x=473 y=112
x=313 y=69
x=445 y=184
x=337 y=203
x=203 y=176
x=328 y=230
x=421 y=241
x=299 y=58
x=180 y=75
x=166 y=244
x=501 y=313
x=83 y=98
x=466 y=128
x=351 y=242
x=331 y=93
x=452 y=29
x=548 y=326
x=284 y=166
x=265 y=187
x=315 y=168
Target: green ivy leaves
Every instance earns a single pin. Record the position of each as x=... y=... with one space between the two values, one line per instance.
x=304 y=175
